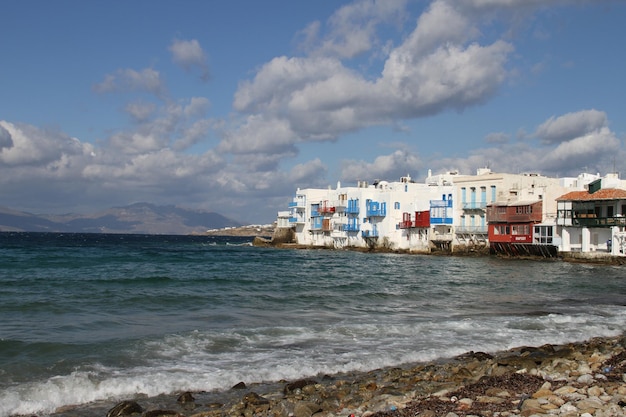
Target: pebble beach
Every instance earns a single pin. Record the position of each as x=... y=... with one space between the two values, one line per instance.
x=577 y=379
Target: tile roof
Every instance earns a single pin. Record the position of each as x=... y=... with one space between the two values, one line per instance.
x=603 y=194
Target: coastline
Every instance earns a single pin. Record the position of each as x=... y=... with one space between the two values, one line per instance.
x=574 y=379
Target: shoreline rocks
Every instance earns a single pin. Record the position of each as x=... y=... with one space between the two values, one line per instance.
x=576 y=379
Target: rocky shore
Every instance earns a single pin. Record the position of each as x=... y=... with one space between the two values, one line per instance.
x=577 y=379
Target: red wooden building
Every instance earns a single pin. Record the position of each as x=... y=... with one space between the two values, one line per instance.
x=512 y=223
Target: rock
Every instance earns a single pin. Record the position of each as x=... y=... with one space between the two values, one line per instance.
x=531 y=406
x=252 y=398
x=585 y=379
x=305 y=409
x=239 y=385
x=161 y=413
x=125 y=408
x=590 y=404
x=185 y=398
x=298 y=385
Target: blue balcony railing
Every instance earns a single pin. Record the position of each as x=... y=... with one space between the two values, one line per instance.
x=375 y=209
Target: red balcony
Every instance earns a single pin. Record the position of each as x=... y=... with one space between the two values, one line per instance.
x=325 y=208
x=421 y=219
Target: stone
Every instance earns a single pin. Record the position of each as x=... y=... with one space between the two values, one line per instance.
x=254 y=399
x=591 y=403
x=185 y=397
x=542 y=393
x=530 y=407
x=125 y=408
x=161 y=413
x=566 y=389
x=595 y=391
x=305 y=409
x=298 y=385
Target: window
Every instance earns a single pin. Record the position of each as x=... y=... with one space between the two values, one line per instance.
x=396 y=205
x=543 y=235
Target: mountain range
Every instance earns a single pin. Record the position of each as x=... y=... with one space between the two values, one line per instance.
x=139 y=218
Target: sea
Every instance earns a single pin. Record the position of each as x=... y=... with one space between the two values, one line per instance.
x=96 y=318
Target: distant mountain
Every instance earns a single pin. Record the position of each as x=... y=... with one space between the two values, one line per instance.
x=135 y=218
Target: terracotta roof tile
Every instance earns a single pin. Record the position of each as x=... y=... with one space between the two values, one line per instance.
x=603 y=194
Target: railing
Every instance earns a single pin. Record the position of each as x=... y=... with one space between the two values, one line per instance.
x=352 y=206
x=471 y=229
x=369 y=233
x=296 y=204
x=441 y=203
x=351 y=227
x=495 y=217
x=589 y=220
x=326 y=210
x=474 y=205
x=376 y=209
x=406 y=224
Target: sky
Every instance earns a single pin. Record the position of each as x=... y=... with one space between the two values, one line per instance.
x=231 y=106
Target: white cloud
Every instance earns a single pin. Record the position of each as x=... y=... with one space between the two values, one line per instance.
x=189 y=54
x=35 y=148
x=582 y=151
x=259 y=134
x=391 y=166
x=126 y=80
x=571 y=125
x=320 y=98
x=497 y=137
x=353 y=27
x=140 y=111
x=594 y=150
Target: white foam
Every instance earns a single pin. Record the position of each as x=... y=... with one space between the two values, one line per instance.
x=212 y=361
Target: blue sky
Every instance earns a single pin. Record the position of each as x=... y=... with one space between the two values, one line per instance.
x=229 y=106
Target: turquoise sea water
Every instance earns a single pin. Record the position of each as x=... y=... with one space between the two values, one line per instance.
x=84 y=318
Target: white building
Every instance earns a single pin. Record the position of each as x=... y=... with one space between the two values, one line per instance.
x=448 y=211
x=593 y=221
x=368 y=215
x=474 y=192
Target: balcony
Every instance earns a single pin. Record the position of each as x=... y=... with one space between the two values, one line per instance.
x=407 y=224
x=326 y=210
x=369 y=234
x=351 y=227
x=590 y=220
x=471 y=229
x=474 y=205
x=352 y=207
x=375 y=209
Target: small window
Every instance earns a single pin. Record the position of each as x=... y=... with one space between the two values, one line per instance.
x=396 y=205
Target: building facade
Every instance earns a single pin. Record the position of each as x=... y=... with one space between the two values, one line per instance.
x=512 y=214
x=593 y=221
